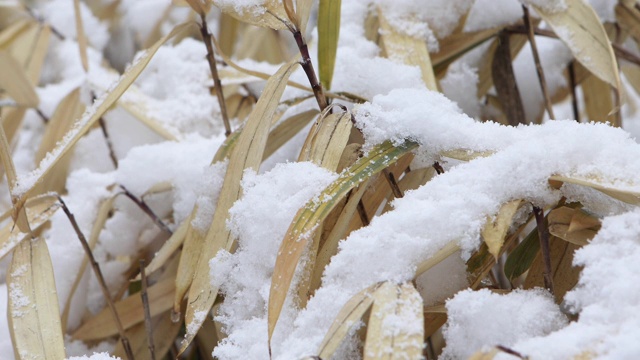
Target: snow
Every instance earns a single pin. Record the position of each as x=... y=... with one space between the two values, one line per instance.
x=95 y=356
x=551 y=6
x=477 y=319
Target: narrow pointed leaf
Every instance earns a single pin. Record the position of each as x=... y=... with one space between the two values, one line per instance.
x=328 y=34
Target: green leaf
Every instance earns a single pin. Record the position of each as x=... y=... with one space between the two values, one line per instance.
x=521 y=258
x=328 y=33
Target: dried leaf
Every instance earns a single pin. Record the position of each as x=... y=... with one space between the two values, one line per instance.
x=579 y=27
x=247 y=154
x=573 y=225
x=286 y=130
x=82 y=38
x=406 y=49
x=396 y=324
x=495 y=230
x=15 y=82
x=19 y=215
x=130 y=311
x=627 y=196
x=505 y=82
x=597 y=100
x=33 y=312
x=349 y=316
x=271 y=14
x=328 y=33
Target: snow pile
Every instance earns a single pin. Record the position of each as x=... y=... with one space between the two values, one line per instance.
x=95 y=356
x=477 y=319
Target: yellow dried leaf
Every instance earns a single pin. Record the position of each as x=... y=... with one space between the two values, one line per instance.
x=15 y=82
x=573 y=225
x=82 y=38
x=627 y=196
x=33 y=312
x=271 y=14
x=495 y=230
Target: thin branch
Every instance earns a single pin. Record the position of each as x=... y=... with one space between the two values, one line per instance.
x=105 y=133
x=147 y=210
x=307 y=66
x=42 y=116
x=147 y=310
x=536 y=58
x=101 y=281
x=39 y=19
x=206 y=38
x=543 y=235
x=438 y=167
x=391 y=179
x=511 y=352
x=572 y=86
x=362 y=212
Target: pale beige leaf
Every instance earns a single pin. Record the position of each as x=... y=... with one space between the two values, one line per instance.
x=408 y=50
x=19 y=215
x=33 y=312
x=628 y=196
x=246 y=154
x=327 y=140
x=38 y=211
x=169 y=247
x=579 y=27
x=396 y=325
x=129 y=310
x=350 y=314
x=10 y=33
x=573 y=225
x=597 y=100
x=303 y=9
x=437 y=258
x=495 y=230
x=82 y=38
x=15 y=82
x=286 y=130
x=162 y=328
x=40 y=48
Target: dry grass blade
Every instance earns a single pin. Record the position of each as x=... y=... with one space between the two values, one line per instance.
x=628 y=18
x=19 y=215
x=505 y=82
x=163 y=329
x=573 y=225
x=495 y=230
x=328 y=33
x=10 y=33
x=33 y=312
x=130 y=310
x=306 y=220
x=457 y=45
x=170 y=246
x=247 y=154
x=286 y=130
x=630 y=197
x=597 y=100
x=580 y=29
x=327 y=140
x=102 y=105
x=38 y=211
x=396 y=324
x=82 y=38
x=15 y=81
x=303 y=9
x=408 y=50
x=350 y=314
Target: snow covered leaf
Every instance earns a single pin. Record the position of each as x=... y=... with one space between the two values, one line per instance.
x=82 y=38
x=573 y=225
x=130 y=311
x=26 y=183
x=328 y=33
x=303 y=226
x=495 y=231
x=18 y=215
x=407 y=49
x=271 y=14
x=396 y=324
x=246 y=154
x=15 y=82
x=485 y=354
x=39 y=211
x=627 y=196
x=348 y=317
x=327 y=139
x=437 y=258
x=34 y=316
x=579 y=27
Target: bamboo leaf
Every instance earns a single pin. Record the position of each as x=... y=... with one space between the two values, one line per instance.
x=19 y=214
x=130 y=311
x=580 y=29
x=396 y=324
x=271 y=14
x=495 y=230
x=247 y=154
x=82 y=38
x=313 y=213
x=408 y=50
x=573 y=225
x=328 y=34
x=630 y=197
x=349 y=316
x=521 y=258
x=597 y=100
x=34 y=316
x=15 y=82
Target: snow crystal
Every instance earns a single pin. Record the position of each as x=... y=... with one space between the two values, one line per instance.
x=255 y=7
x=477 y=319
x=457 y=85
x=551 y=6
x=485 y=14
x=95 y=356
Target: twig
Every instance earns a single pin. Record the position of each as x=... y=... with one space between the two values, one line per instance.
x=42 y=116
x=206 y=38
x=391 y=179
x=362 y=212
x=543 y=234
x=147 y=310
x=39 y=19
x=98 y=273
x=511 y=352
x=572 y=85
x=536 y=58
x=438 y=167
x=147 y=210
x=105 y=133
